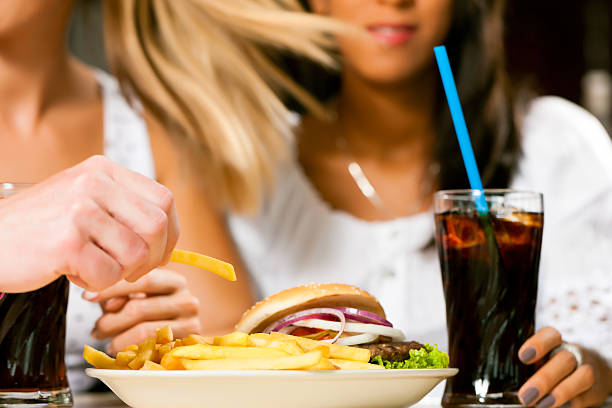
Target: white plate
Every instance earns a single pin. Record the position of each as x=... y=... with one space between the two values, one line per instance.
x=270 y=389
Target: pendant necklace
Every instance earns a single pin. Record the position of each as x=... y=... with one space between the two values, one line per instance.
x=369 y=192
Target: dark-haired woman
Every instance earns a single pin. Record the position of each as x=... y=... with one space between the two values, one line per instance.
x=355 y=204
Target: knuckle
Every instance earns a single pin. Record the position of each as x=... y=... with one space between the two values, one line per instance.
x=588 y=374
x=191 y=305
x=152 y=280
x=93 y=180
x=545 y=379
x=133 y=309
x=69 y=242
x=97 y=162
x=82 y=208
x=137 y=250
x=567 y=358
x=561 y=395
x=159 y=222
x=165 y=198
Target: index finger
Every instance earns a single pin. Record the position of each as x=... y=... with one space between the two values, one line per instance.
x=147 y=188
x=159 y=282
x=154 y=192
x=539 y=345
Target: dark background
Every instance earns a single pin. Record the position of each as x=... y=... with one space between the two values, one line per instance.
x=557 y=47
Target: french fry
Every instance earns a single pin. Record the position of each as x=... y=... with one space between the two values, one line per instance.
x=99 y=359
x=163 y=335
x=132 y=347
x=270 y=363
x=355 y=365
x=205 y=352
x=265 y=340
x=335 y=350
x=323 y=364
x=324 y=350
x=194 y=339
x=171 y=363
x=125 y=357
x=234 y=351
x=213 y=265
x=163 y=349
x=235 y=339
x=151 y=366
x=146 y=351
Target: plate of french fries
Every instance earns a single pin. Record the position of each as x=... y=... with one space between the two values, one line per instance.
x=256 y=370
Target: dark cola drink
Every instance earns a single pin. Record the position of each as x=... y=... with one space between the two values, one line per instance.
x=489 y=269
x=32 y=341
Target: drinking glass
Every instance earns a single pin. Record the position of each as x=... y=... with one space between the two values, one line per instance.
x=489 y=264
x=32 y=341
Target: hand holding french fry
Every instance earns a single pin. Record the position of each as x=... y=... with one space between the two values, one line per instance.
x=96 y=223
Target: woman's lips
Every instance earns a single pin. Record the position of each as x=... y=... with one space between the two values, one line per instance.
x=392 y=34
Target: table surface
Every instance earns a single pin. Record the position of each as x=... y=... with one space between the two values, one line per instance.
x=109 y=400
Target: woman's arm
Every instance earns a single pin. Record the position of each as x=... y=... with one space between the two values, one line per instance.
x=204 y=230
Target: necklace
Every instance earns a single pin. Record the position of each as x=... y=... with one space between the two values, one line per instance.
x=367 y=188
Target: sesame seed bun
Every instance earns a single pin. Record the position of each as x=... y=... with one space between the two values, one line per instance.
x=289 y=301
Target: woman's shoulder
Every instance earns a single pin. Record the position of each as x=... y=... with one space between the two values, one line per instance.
x=565 y=127
x=566 y=154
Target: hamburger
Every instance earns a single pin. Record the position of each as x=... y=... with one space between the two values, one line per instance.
x=343 y=315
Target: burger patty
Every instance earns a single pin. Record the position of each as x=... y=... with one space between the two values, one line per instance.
x=397 y=351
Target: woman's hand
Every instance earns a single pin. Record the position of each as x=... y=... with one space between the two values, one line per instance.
x=559 y=382
x=96 y=223
x=132 y=311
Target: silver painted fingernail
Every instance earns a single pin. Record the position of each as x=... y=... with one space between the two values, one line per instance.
x=546 y=402
x=527 y=355
x=530 y=395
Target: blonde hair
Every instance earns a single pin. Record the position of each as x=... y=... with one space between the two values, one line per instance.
x=199 y=66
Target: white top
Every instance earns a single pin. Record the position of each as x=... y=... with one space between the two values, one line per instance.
x=297 y=238
x=126 y=142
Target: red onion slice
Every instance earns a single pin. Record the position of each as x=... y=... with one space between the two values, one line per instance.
x=363 y=316
x=306 y=315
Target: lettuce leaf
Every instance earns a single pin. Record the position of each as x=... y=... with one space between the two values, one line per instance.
x=427 y=357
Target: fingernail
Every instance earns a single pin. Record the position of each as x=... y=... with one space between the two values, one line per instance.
x=566 y=405
x=546 y=402
x=530 y=395
x=527 y=355
x=87 y=295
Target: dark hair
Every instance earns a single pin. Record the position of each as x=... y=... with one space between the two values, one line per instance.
x=476 y=51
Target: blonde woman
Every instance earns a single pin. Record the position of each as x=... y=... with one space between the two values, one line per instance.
x=197 y=69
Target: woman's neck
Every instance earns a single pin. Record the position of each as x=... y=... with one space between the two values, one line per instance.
x=379 y=120
x=34 y=66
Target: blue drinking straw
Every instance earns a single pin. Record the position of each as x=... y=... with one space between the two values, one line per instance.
x=461 y=128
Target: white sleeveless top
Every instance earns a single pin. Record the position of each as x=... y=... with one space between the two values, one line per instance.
x=126 y=142
x=297 y=238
